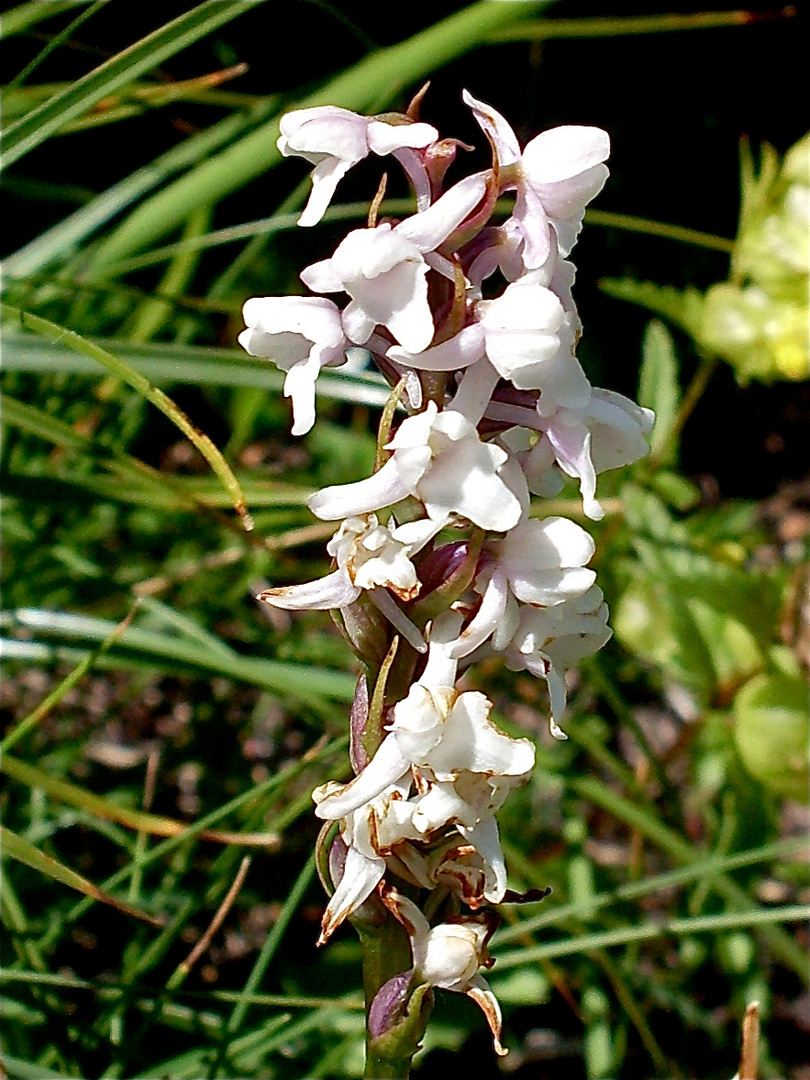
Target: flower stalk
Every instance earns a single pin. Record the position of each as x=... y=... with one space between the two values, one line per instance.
x=436 y=561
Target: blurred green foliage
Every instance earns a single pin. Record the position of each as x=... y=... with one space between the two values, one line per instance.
x=160 y=730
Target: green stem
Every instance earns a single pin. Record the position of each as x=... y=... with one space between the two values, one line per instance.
x=287 y=222
x=612 y=26
x=631 y=223
x=141 y=385
x=386 y=953
x=694 y=392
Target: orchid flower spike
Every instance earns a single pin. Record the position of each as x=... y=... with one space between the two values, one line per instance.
x=477 y=324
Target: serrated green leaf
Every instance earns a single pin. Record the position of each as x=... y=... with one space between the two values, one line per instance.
x=675 y=489
x=659 y=390
x=705 y=622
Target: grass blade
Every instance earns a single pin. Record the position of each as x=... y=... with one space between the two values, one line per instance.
x=41 y=711
x=17 y=847
x=154 y=824
x=24 y=16
x=141 y=384
x=145 y=55
x=314 y=685
x=703 y=869
x=625 y=935
x=63 y=238
x=194 y=366
x=682 y=852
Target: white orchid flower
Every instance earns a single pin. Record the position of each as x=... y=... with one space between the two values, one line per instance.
x=548 y=640
x=530 y=340
x=608 y=432
x=464 y=348
x=369 y=833
x=440 y=459
x=334 y=139
x=370 y=557
x=540 y=562
x=460 y=866
x=435 y=728
x=449 y=956
x=384 y=269
x=301 y=335
x=469 y=802
x=555 y=176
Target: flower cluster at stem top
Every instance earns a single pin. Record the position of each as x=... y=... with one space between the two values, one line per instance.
x=436 y=559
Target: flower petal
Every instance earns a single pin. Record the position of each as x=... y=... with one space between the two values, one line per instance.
x=484 y=998
x=494 y=125
x=484 y=836
x=385 y=138
x=325 y=178
x=471 y=742
x=564 y=152
x=429 y=229
x=360 y=877
x=333 y=591
x=457 y=352
x=486 y=619
x=383 y=488
x=386 y=767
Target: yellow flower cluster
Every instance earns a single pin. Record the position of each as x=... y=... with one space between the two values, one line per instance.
x=759 y=321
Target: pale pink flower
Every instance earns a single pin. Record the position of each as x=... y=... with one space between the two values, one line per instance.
x=384 y=269
x=555 y=176
x=301 y=335
x=440 y=459
x=334 y=139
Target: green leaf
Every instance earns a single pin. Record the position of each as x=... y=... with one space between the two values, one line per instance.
x=63 y=238
x=18 y=1069
x=762 y=918
x=772 y=732
x=17 y=847
x=192 y=365
x=172 y=651
x=700 y=868
x=154 y=824
x=145 y=55
x=659 y=390
x=121 y=370
x=369 y=85
x=696 y=610
x=24 y=16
